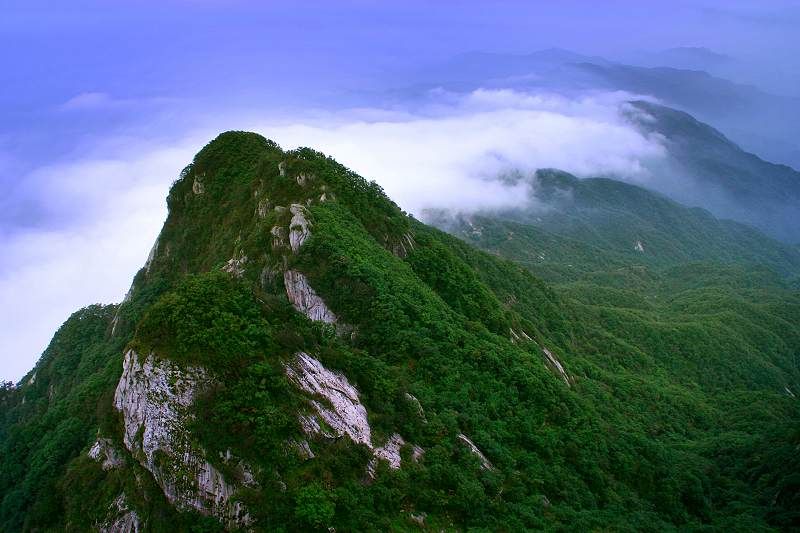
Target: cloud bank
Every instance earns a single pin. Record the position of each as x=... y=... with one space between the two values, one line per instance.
x=448 y=153
x=103 y=209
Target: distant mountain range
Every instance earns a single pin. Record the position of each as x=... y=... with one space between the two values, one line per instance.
x=763 y=123
x=711 y=128
x=706 y=169
x=775 y=78
x=685 y=57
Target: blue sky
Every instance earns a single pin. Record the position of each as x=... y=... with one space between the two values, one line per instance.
x=103 y=102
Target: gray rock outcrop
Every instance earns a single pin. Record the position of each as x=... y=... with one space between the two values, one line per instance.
x=485 y=464
x=154 y=396
x=104 y=450
x=304 y=299
x=121 y=518
x=338 y=412
x=298 y=227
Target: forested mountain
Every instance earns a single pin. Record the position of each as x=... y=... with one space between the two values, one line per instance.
x=571 y=226
x=705 y=168
x=299 y=354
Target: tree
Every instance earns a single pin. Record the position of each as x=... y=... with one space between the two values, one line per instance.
x=313 y=505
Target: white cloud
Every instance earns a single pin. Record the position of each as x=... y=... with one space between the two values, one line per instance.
x=116 y=207
x=446 y=156
x=110 y=203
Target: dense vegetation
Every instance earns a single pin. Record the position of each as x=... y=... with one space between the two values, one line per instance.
x=680 y=411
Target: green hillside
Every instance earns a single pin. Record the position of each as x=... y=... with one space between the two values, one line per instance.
x=321 y=360
x=573 y=226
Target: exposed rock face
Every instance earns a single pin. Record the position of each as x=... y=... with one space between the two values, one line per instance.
x=405 y=245
x=126 y=523
x=418 y=406
x=121 y=519
x=298 y=227
x=114 y=323
x=555 y=365
x=304 y=299
x=389 y=452
x=344 y=413
x=235 y=266
x=417 y=452
x=418 y=518
x=485 y=464
x=103 y=450
x=550 y=360
x=302 y=448
x=151 y=257
x=516 y=337
x=298 y=290
x=341 y=412
x=197 y=186
x=303 y=179
x=154 y=396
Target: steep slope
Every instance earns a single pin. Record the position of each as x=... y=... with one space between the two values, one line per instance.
x=298 y=354
x=58 y=404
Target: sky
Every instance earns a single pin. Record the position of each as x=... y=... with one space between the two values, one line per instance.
x=103 y=103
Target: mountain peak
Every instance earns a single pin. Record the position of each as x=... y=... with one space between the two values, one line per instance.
x=299 y=354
